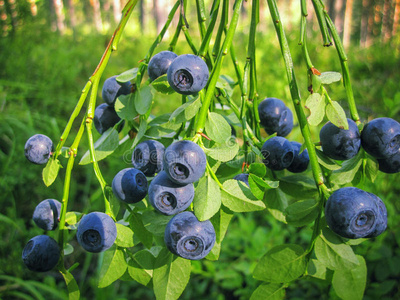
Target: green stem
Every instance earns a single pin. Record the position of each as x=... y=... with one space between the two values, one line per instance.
x=211 y=172
x=318 y=8
x=217 y=68
x=201 y=17
x=221 y=28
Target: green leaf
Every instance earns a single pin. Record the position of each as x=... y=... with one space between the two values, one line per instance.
x=186 y=111
x=171 y=275
x=50 y=172
x=333 y=253
x=124 y=236
x=207 y=198
x=155 y=222
x=113 y=266
x=72 y=286
x=125 y=106
x=336 y=114
x=136 y=223
x=162 y=130
x=298 y=186
x=269 y=291
x=281 y=264
x=114 y=202
x=127 y=75
x=330 y=77
x=143 y=99
x=140 y=134
x=141 y=265
x=258 y=186
x=371 y=168
x=258 y=169
x=276 y=202
x=327 y=162
x=225 y=83
x=161 y=85
x=316 y=269
x=103 y=147
x=350 y=284
x=214 y=253
x=316 y=82
x=348 y=170
x=73 y=217
x=302 y=212
x=223 y=152
x=221 y=222
x=217 y=128
x=316 y=104
x=238 y=197
x=68 y=249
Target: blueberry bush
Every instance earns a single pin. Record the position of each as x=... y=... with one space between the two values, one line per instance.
x=225 y=151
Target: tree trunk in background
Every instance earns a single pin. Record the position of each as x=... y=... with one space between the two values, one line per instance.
x=396 y=18
x=347 y=23
x=4 y=18
x=141 y=15
x=60 y=17
x=366 y=34
x=340 y=7
x=33 y=7
x=97 y=15
x=387 y=21
x=117 y=10
x=71 y=13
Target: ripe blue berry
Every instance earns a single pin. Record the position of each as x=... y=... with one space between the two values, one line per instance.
x=41 y=253
x=47 y=214
x=148 y=156
x=353 y=213
x=159 y=63
x=338 y=143
x=38 y=149
x=278 y=153
x=184 y=162
x=189 y=238
x=300 y=161
x=381 y=137
x=112 y=89
x=275 y=116
x=243 y=177
x=390 y=164
x=130 y=185
x=105 y=117
x=188 y=74
x=96 y=232
x=167 y=197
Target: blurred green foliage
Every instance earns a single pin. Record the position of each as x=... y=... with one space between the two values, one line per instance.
x=41 y=77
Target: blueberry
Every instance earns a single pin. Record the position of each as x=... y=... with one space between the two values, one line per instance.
x=159 y=63
x=278 y=153
x=338 y=143
x=188 y=74
x=275 y=116
x=105 y=117
x=353 y=213
x=130 y=185
x=47 y=214
x=390 y=164
x=381 y=137
x=41 y=253
x=243 y=177
x=38 y=149
x=169 y=198
x=96 y=232
x=112 y=89
x=147 y=157
x=184 y=162
x=300 y=161
x=189 y=238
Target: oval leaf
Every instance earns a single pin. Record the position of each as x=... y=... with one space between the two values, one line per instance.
x=113 y=266
x=336 y=114
x=316 y=104
x=269 y=291
x=50 y=172
x=330 y=77
x=143 y=99
x=217 y=128
x=207 y=198
x=124 y=236
x=161 y=85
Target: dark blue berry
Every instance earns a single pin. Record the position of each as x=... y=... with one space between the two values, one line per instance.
x=275 y=116
x=381 y=137
x=338 y=143
x=105 y=117
x=159 y=63
x=188 y=74
x=167 y=197
x=41 y=254
x=189 y=238
x=353 y=213
x=148 y=156
x=130 y=185
x=112 y=89
x=184 y=162
x=300 y=160
x=243 y=177
x=278 y=153
x=96 y=232
x=47 y=214
x=38 y=149
x=390 y=164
